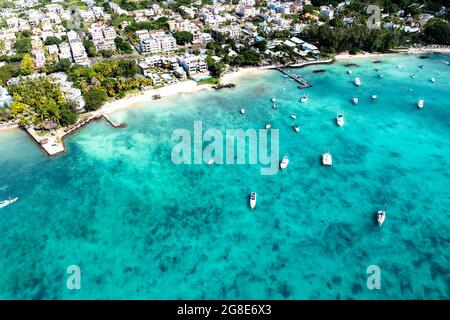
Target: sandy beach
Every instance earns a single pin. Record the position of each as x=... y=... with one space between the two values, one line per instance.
x=8 y=126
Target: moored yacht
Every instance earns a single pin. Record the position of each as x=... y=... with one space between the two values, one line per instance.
x=420 y=103
x=381 y=216
x=274 y=105
x=355 y=100
x=242 y=111
x=252 y=200
x=304 y=99
x=5 y=203
x=374 y=97
x=284 y=163
x=349 y=72
x=432 y=80
x=357 y=82
x=293 y=116
x=268 y=126
x=296 y=128
x=327 y=160
x=273 y=99
x=340 y=120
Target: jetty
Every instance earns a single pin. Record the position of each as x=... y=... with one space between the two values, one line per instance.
x=112 y=123
x=303 y=83
x=52 y=142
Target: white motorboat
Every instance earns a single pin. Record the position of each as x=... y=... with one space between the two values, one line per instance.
x=268 y=126
x=349 y=72
x=304 y=99
x=210 y=162
x=357 y=82
x=374 y=97
x=293 y=116
x=274 y=105
x=340 y=120
x=420 y=103
x=296 y=128
x=433 y=80
x=242 y=111
x=273 y=99
x=284 y=163
x=355 y=100
x=253 y=200
x=5 y=203
x=381 y=216
x=327 y=160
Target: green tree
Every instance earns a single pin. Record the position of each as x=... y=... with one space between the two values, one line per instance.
x=26 y=65
x=437 y=31
x=95 y=98
x=122 y=46
x=68 y=113
x=183 y=37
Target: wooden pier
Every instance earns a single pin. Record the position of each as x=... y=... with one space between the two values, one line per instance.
x=303 y=83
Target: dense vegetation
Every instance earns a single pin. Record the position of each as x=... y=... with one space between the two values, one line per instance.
x=39 y=99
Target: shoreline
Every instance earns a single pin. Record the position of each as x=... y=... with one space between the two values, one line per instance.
x=409 y=51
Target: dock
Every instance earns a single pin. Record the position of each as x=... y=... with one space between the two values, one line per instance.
x=112 y=123
x=303 y=83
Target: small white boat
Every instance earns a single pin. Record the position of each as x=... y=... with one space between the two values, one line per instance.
x=357 y=82
x=242 y=111
x=273 y=99
x=327 y=160
x=296 y=128
x=284 y=163
x=374 y=97
x=349 y=72
x=293 y=116
x=340 y=120
x=381 y=216
x=210 y=162
x=355 y=100
x=5 y=203
x=268 y=126
x=274 y=105
x=253 y=200
x=304 y=99
x=420 y=103
x=433 y=80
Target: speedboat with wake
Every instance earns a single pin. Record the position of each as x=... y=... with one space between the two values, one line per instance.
x=5 y=203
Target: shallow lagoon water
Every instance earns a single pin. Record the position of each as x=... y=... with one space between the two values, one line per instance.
x=141 y=227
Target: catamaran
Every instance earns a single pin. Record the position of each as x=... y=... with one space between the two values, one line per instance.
x=420 y=103
x=327 y=160
x=253 y=200
x=381 y=216
x=284 y=163
x=340 y=120
x=357 y=82
x=5 y=203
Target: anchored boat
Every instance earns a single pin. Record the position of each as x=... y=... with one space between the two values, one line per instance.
x=252 y=200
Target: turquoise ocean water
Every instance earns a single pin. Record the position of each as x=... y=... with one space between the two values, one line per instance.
x=141 y=227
